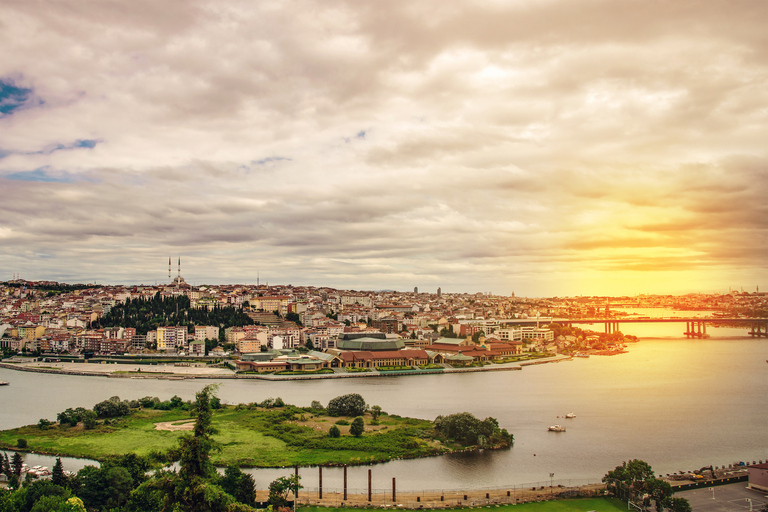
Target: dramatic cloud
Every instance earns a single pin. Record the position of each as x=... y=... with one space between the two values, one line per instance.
x=545 y=148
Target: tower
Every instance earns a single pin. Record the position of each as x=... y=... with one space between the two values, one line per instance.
x=439 y=292
x=169 y=270
x=178 y=280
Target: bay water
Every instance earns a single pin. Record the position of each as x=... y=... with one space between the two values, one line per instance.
x=676 y=403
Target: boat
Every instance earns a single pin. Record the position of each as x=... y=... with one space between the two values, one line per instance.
x=556 y=428
x=570 y=415
x=3 y=383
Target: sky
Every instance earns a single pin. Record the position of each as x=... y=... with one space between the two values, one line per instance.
x=542 y=148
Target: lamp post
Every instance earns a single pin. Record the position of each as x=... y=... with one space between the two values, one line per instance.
x=551 y=483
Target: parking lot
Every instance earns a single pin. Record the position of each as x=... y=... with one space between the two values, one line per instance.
x=725 y=498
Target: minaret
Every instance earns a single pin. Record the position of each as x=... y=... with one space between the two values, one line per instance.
x=179 y=279
x=169 y=270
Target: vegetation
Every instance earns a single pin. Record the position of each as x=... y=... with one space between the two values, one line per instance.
x=347 y=405
x=468 y=430
x=635 y=479
x=358 y=427
x=266 y=434
x=147 y=315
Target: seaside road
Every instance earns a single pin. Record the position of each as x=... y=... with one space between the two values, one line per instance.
x=725 y=498
x=137 y=369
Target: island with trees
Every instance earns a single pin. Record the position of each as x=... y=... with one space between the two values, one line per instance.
x=270 y=433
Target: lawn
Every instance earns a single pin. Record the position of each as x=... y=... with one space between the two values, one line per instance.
x=247 y=435
x=577 y=505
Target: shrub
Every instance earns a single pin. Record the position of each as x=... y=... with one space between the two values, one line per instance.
x=347 y=405
x=111 y=408
x=342 y=422
x=21 y=443
x=358 y=427
x=334 y=431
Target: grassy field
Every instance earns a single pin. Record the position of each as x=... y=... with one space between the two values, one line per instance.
x=283 y=436
x=577 y=505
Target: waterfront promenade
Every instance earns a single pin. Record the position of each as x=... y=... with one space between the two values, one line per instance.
x=173 y=372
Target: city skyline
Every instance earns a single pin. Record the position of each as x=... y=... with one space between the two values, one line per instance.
x=546 y=149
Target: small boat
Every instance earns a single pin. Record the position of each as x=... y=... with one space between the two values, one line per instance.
x=570 y=415
x=556 y=428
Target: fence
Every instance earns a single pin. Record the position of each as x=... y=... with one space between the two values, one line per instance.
x=442 y=498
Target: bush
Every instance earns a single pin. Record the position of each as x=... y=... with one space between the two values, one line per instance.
x=44 y=424
x=358 y=427
x=468 y=430
x=21 y=443
x=334 y=431
x=342 y=422
x=347 y=405
x=111 y=408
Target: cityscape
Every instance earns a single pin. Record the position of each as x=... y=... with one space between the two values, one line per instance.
x=302 y=256
x=292 y=328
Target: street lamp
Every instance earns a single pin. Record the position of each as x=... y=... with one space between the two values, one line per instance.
x=551 y=483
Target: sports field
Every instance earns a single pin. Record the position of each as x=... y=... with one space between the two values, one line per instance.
x=578 y=505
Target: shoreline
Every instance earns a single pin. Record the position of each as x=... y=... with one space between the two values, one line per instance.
x=166 y=372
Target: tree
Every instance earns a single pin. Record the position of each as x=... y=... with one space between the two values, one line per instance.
x=195 y=450
x=358 y=427
x=376 y=412
x=628 y=478
x=334 y=431
x=238 y=484
x=57 y=473
x=103 y=488
x=464 y=428
x=677 y=505
x=658 y=490
x=6 y=466
x=279 y=489
x=46 y=492
x=347 y=405
x=195 y=487
x=16 y=464
x=112 y=408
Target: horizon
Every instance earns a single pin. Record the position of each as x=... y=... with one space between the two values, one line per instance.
x=740 y=290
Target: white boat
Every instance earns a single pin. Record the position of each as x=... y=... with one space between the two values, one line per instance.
x=570 y=415
x=556 y=428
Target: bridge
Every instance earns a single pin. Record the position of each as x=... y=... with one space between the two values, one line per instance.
x=695 y=327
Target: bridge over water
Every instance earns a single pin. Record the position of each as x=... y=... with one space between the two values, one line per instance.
x=695 y=327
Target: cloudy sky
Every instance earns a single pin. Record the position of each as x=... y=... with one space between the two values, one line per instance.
x=548 y=147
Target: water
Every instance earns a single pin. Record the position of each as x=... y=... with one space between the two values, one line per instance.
x=678 y=404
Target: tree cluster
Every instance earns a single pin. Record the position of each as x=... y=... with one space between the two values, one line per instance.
x=636 y=481
x=467 y=430
x=112 y=408
x=347 y=405
x=146 y=315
